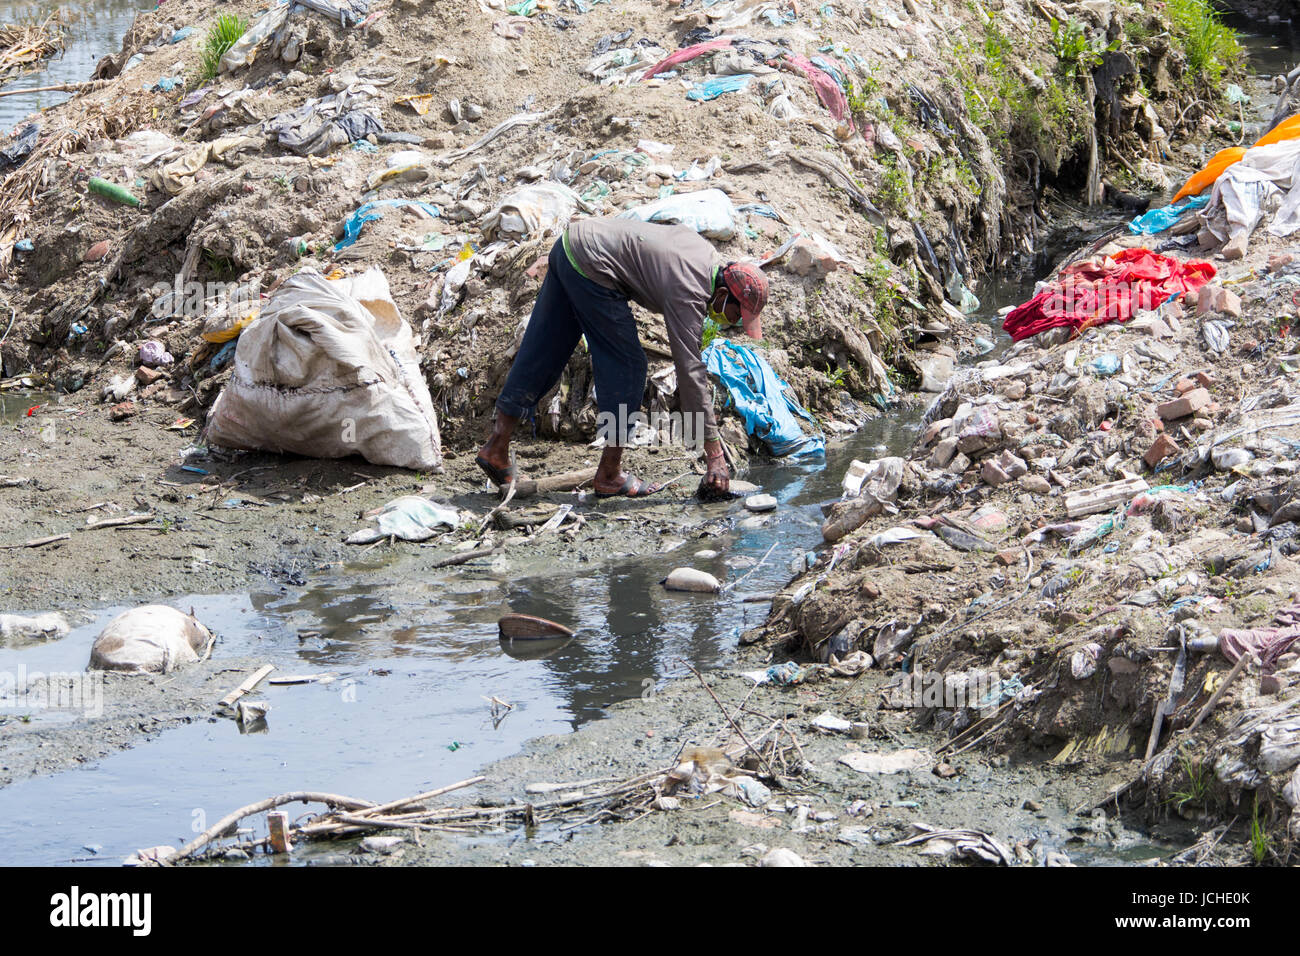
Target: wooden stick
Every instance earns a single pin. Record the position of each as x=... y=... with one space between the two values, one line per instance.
x=466 y=556
x=118 y=522
x=251 y=681
x=39 y=542
x=1210 y=704
x=228 y=821
x=732 y=584
x=734 y=726
x=419 y=797
x=58 y=88
x=527 y=487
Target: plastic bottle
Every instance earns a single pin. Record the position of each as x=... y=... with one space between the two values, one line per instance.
x=102 y=187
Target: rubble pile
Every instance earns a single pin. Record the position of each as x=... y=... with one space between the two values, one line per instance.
x=838 y=144
x=1106 y=520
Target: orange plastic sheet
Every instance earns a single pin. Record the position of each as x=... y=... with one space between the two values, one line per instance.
x=1203 y=180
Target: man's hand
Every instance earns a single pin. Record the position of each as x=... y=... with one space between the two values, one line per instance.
x=717 y=478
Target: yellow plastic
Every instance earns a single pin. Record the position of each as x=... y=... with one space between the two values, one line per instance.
x=228 y=332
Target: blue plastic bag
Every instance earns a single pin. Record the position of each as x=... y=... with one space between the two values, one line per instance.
x=366 y=213
x=715 y=86
x=1158 y=220
x=762 y=400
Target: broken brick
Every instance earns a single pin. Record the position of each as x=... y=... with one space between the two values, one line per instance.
x=1193 y=401
x=1160 y=449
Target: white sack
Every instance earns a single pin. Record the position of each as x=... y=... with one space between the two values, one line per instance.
x=329 y=370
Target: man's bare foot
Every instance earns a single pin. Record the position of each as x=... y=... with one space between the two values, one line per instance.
x=623 y=485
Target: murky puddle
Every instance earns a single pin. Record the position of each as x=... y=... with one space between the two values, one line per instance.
x=414 y=660
x=96 y=30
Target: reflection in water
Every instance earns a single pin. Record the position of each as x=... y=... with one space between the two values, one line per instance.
x=97 y=30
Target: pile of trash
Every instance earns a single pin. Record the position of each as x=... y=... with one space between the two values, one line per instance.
x=1105 y=515
x=334 y=139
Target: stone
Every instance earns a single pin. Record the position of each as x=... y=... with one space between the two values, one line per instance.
x=943 y=452
x=760 y=503
x=121 y=411
x=1036 y=484
x=813 y=255
x=147 y=376
x=780 y=856
x=1014 y=466
x=1007 y=558
x=1014 y=390
x=993 y=474
x=1160 y=449
x=1193 y=401
x=98 y=252
x=1235 y=248
x=1228 y=302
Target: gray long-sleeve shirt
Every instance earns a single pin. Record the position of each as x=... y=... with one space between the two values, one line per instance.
x=666 y=269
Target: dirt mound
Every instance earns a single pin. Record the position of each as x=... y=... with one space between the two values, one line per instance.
x=916 y=149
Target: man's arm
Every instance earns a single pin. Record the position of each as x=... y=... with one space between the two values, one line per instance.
x=684 y=332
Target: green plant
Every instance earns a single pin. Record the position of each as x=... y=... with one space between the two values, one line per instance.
x=895 y=190
x=221 y=36
x=1210 y=46
x=709 y=334
x=1074 y=51
x=1259 y=841
x=835 y=379
x=1197 y=786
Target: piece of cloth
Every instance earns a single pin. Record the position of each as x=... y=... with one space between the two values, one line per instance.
x=685 y=56
x=1158 y=220
x=1266 y=644
x=1106 y=289
x=668 y=270
x=763 y=400
x=1240 y=199
x=828 y=91
x=568 y=307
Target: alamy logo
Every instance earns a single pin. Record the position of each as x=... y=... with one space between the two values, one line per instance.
x=658 y=428
x=31 y=691
x=75 y=909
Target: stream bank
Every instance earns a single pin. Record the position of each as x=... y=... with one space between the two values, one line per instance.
x=255 y=542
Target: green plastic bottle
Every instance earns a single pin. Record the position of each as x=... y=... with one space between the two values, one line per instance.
x=102 y=187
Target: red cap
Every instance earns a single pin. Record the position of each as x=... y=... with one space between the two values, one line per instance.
x=746 y=282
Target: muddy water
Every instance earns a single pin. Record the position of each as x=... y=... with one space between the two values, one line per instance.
x=414 y=660
x=97 y=30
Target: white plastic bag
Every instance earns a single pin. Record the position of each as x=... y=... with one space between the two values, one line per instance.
x=329 y=370
x=709 y=212
x=532 y=210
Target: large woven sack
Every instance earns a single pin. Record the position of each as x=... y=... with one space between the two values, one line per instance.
x=329 y=370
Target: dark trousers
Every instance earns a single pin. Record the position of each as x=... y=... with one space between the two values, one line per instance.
x=570 y=306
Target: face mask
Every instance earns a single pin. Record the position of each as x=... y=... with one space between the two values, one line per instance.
x=719 y=317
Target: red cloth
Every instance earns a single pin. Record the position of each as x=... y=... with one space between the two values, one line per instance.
x=1110 y=289
x=685 y=56
x=828 y=91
